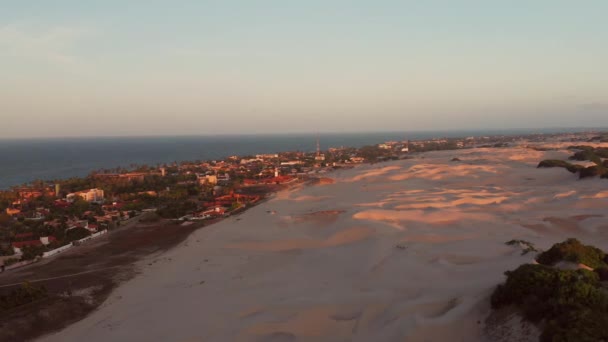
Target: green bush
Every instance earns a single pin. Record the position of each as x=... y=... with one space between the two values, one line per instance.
x=31 y=252
x=76 y=234
x=571 y=305
x=574 y=251
x=560 y=163
x=556 y=297
x=527 y=246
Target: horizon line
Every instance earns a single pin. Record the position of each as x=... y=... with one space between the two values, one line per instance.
x=189 y=135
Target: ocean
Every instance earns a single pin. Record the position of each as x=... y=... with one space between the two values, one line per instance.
x=25 y=160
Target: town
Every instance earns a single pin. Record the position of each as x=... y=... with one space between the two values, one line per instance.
x=44 y=218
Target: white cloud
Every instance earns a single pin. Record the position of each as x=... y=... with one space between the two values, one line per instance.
x=53 y=44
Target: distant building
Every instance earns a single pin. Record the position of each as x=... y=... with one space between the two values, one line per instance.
x=208 y=179
x=136 y=177
x=92 y=196
x=19 y=245
x=267 y=156
x=31 y=193
x=291 y=162
x=12 y=211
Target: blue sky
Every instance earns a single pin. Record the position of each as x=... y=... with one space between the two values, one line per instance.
x=78 y=68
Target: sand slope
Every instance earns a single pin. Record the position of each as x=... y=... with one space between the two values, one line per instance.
x=404 y=251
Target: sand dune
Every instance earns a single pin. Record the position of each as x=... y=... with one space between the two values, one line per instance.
x=421 y=216
x=309 y=198
x=373 y=173
x=343 y=237
x=405 y=251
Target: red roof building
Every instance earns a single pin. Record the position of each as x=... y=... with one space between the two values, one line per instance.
x=29 y=243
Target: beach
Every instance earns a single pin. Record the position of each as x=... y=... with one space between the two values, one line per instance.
x=407 y=250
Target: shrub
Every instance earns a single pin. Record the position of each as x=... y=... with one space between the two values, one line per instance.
x=560 y=163
x=568 y=301
x=574 y=251
x=526 y=246
x=571 y=305
x=590 y=171
x=602 y=272
x=77 y=234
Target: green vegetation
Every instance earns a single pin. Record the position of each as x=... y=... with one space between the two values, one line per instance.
x=583 y=153
x=560 y=163
x=574 y=251
x=527 y=246
x=76 y=234
x=177 y=209
x=373 y=153
x=26 y=293
x=588 y=152
x=568 y=305
x=31 y=252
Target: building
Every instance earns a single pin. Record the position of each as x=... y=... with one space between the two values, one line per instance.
x=267 y=156
x=18 y=246
x=12 y=211
x=31 y=193
x=291 y=163
x=92 y=196
x=135 y=177
x=207 y=179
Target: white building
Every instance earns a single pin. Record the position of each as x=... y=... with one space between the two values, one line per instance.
x=208 y=179
x=92 y=195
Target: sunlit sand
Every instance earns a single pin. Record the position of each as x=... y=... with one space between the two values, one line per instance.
x=408 y=250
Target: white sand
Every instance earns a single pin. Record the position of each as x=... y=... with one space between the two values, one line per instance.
x=403 y=251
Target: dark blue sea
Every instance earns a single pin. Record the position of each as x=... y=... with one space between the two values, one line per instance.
x=25 y=160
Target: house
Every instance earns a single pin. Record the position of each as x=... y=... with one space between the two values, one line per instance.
x=78 y=224
x=18 y=246
x=31 y=193
x=12 y=211
x=291 y=163
x=22 y=236
x=208 y=179
x=46 y=240
x=92 y=196
x=267 y=156
x=223 y=178
x=135 y=177
x=214 y=211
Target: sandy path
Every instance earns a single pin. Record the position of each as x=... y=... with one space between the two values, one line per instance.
x=410 y=252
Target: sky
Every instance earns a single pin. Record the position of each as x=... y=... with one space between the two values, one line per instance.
x=150 y=67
